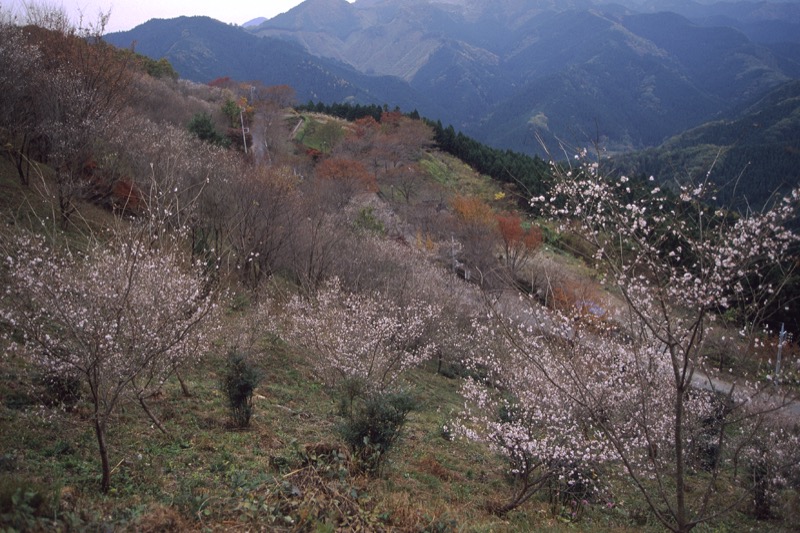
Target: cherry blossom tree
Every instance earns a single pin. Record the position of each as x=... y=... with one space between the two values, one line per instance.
x=678 y=265
x=361 y=344
x=364 y=337
x=122 y=316
x=526 y=412
x=632 y=396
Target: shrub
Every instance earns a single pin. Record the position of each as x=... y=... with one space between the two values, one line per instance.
x=239 y=381
x=368 y=221
x=372 y=424
x=24 y=506
x=578 y=486
x=202 y=126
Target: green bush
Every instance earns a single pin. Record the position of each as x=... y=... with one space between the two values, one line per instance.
x=372 y=423
x=202 y=126
x=25 y=506
x=367 y=221
x=239 y=381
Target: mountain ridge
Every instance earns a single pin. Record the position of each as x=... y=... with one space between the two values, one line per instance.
x=202 y=49
x=751 y=155
x=507 y=74
x=476 y=61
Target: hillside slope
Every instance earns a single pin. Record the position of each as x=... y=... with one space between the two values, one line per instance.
x=751 y=155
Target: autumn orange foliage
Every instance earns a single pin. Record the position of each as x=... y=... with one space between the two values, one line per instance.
x=472 y=209
x=347 y=170
x=514 y=234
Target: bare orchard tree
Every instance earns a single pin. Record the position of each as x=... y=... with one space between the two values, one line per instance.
x=260 y=216
x=168 y=171
x=19 y=63
x=49 y=16
x=81 y=88
x=318 y=234
x=121 y=317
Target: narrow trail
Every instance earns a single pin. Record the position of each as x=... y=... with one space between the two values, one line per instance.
x=783 y=405
x=259 y=148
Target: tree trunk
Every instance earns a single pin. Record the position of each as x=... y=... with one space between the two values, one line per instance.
x=680 y=482
x=152 y=416
x=22 y=161
x=184 y=389
x=100 y=431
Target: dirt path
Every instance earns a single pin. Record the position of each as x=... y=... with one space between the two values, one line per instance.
x=260 y=150
x=783 y=405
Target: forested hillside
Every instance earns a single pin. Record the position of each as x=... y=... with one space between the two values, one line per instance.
x=752 y=157
x=220 y=310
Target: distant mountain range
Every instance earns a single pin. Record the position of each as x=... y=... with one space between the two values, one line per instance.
x=508 y=72
x=202 y=49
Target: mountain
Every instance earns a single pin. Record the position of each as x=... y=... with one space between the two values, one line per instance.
x=202 y=49
x=255 y=22
x=751 y=155
x=512 y=71
x=763 y=22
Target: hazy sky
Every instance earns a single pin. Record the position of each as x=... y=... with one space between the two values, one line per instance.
x=125 y=14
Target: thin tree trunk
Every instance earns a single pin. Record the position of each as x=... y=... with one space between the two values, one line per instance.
x=152 y=416
x=184 y=388
x=22 y=162
x=680 y=482
x=100 y=431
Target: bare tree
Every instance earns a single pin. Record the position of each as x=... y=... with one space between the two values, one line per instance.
x=19 y=64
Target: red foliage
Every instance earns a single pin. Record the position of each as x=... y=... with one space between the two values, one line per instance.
x=280 y=95
x=391 y=118
x=362 y=127
x=126 y=196
x=223 y=82
x=514 y=235
x=347 y=170
x=472 y=210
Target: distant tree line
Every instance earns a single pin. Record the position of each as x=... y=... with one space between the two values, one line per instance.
x=348 y=112
x=747 y=176
x=530 y=173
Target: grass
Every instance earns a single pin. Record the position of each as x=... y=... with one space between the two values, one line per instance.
x=320 y=132
x=455 y=175
x=288 y=472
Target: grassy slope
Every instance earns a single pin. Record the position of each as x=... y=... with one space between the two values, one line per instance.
x=287 y=472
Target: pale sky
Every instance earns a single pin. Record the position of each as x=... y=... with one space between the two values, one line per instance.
x=126 y=14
